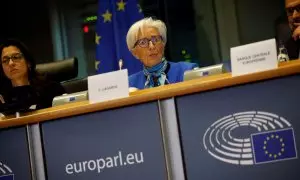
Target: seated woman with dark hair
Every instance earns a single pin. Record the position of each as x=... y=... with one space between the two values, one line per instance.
x=20 y=82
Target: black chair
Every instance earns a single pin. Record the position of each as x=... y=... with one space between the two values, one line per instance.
x=59 y=71
x=76 y=85
x=64 y=72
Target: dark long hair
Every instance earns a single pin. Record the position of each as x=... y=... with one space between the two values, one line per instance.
x=5 y=82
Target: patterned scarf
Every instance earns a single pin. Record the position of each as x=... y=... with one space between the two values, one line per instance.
x=158 y=72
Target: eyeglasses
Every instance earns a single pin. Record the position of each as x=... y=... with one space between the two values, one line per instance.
x=144 y=43
x=290 y=11
x=14 y=57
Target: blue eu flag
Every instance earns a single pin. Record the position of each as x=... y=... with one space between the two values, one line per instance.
x=274 y=146
x=114 y=19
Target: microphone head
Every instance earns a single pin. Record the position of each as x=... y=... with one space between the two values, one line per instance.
x=120 y=64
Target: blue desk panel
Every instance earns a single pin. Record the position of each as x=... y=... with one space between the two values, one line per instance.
x=14 y=154
x=244 y=132
x=117 y=144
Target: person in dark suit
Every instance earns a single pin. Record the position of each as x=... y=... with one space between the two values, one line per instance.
x=20 y=83
x=293 y=14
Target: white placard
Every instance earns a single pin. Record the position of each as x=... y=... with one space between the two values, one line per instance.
x=108 y=86
x=255 y=57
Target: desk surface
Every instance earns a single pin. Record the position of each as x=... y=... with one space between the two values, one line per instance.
x=172 y=90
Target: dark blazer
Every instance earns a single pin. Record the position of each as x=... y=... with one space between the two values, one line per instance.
x=292 y=47
x=40 y=93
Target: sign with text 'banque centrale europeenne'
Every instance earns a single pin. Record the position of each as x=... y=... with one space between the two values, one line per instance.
x=255 y=57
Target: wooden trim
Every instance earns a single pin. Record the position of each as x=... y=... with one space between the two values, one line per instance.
x=142 y=96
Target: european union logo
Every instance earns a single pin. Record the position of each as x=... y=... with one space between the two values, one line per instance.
x=114 y=20
x=7 y=177
x=274 y=146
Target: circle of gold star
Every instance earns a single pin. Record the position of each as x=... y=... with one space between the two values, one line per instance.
x=97 y=39
x=121 y=5
x=282 y=149
x=140 y=8
x=97 y=65
x=107 y=16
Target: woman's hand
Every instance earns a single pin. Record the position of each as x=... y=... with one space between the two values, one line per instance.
x=2 y=116
x=2 y=99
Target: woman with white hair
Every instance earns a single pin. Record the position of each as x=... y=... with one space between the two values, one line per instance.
x=146 y=40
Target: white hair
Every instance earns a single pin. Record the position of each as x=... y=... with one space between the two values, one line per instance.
x=132 y=34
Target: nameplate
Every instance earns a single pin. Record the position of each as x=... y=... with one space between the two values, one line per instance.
x=255 y=57
x=108 y=86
